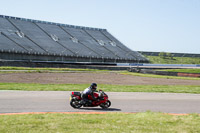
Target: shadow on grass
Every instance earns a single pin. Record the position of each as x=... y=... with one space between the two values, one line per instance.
x=100 y=109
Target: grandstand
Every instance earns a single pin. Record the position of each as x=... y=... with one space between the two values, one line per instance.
x=40 y=41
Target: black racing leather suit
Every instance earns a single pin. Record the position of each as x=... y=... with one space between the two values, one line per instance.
x=86 y=92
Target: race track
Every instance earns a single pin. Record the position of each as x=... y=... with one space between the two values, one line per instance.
x=58 y=101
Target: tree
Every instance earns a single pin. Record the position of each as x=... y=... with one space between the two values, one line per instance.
x=169 y=55
x=162 y=55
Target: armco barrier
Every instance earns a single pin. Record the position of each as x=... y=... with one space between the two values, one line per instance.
x=168 y=65
x=61 y=64
x=148 y=71
x=173 y=54
x=197 y=75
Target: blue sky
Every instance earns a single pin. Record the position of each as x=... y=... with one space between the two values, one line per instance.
x=142 y=25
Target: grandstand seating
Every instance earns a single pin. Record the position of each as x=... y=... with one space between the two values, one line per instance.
x=34 y=37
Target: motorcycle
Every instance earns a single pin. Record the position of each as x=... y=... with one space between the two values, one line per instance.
x=103 y=102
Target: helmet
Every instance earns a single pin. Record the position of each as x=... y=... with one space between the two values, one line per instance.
x=93 y=86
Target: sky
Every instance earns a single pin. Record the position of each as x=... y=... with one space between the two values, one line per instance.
x=142 y=25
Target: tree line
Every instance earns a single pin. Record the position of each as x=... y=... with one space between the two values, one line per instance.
x=165 y=55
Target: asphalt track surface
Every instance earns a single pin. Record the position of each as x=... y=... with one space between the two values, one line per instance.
x=58 y=101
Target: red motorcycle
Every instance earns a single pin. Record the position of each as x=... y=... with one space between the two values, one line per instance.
x=103 y=102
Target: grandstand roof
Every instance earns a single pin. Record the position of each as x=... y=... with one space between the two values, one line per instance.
x=20 y=35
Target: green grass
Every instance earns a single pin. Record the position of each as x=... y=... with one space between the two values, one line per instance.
x=183 y=70
x=157 y=76
x=30 y=69
x=111 y=122
x=175 y=60
x=105 y=87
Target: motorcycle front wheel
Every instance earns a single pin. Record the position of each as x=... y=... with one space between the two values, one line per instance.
x=75 y=104
x=105 y=105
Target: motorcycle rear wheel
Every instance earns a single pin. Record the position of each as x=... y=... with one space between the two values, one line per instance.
x=75 y=104
x=105 y=105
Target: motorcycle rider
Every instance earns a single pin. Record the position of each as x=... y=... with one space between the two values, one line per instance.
x=89 y=91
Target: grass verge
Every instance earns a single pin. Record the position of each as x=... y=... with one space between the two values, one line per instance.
x=183 y=70
x=105 y=87
x=157 y=76
x=30 y=69
x=111 y=122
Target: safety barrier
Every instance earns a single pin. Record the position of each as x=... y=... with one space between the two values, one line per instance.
x=147 y=71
